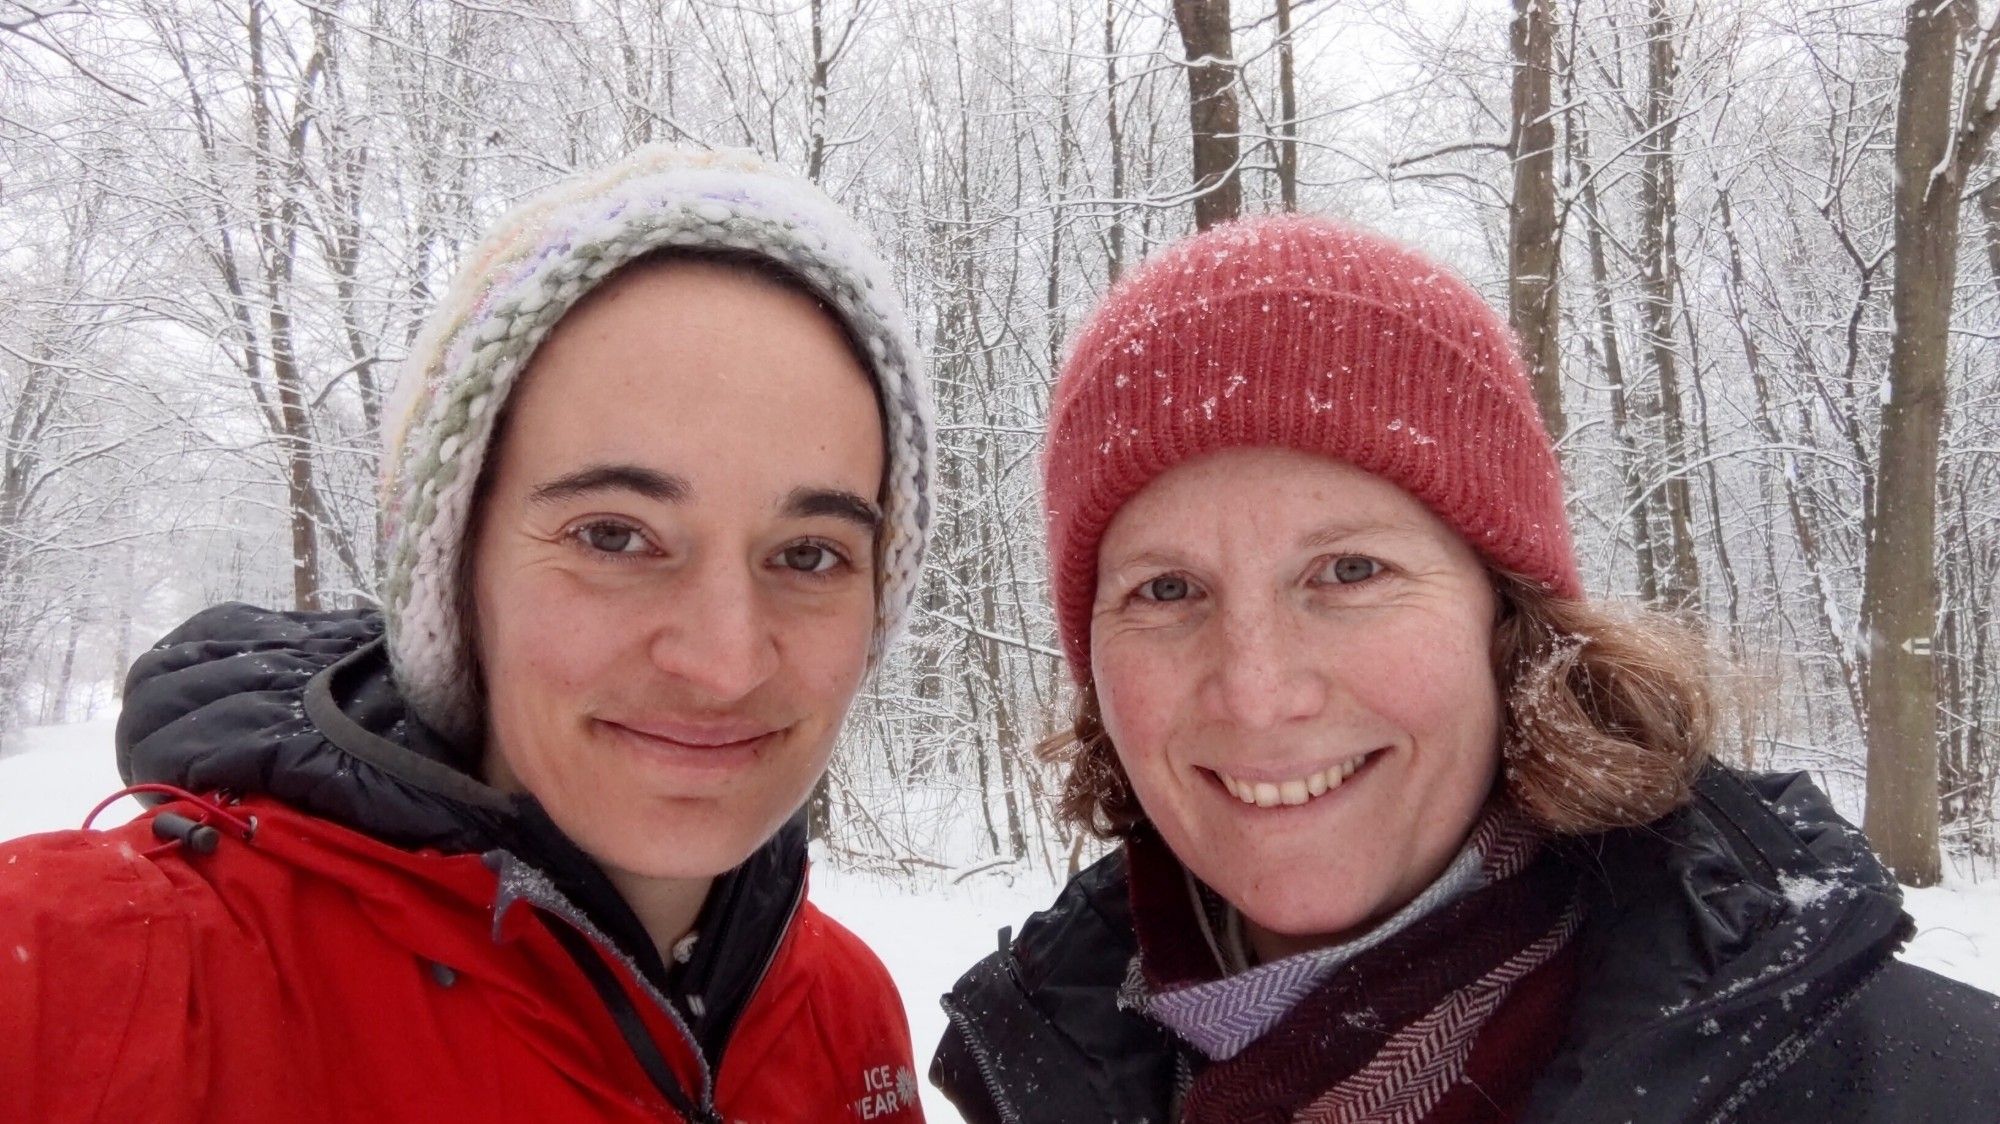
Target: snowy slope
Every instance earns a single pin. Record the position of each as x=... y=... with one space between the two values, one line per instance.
x=51 y=777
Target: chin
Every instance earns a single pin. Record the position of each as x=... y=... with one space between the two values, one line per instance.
x=1304 y=921
x=1308 y=918
x=676 y=861
x=672 y=841
x=676 y=836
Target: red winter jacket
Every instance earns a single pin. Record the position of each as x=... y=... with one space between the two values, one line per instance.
x=314 y=974
x=319 y=972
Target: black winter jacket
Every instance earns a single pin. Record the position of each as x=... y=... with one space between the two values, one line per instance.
x=1737 y=963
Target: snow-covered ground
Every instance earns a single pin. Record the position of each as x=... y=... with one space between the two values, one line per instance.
x=51 y=777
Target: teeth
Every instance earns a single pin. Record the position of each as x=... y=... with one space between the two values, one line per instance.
x=1265 y=794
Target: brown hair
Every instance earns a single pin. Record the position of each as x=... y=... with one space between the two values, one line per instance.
x=1608 y=717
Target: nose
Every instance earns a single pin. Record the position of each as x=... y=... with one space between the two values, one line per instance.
x=1264 y=671
x=714 y=634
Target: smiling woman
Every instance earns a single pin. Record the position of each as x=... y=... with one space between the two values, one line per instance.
x=524 y=844
x=1255 y=704
x=1409 y=829
x=673 y=570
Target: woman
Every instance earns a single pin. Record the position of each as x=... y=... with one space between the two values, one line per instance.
x=522 y=846
x=1410 y=831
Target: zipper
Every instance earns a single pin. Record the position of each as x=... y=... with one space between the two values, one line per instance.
x=587 y=951
x=1768 y=1068
x=982 y=1059
x=1774 y=1064
x=757 y=984
x=594 y=954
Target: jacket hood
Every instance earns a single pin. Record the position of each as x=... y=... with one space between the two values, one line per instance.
x=1741 y=922
x=301 y=707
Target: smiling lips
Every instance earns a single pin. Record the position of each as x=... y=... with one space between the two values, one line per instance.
x=700 y=737
x=1298 y=790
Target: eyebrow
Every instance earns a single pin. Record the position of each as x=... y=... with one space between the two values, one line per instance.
x=1148 y=559
x=805 y=503
x=1334 y=534
x=650 y=483
x=1331 y=534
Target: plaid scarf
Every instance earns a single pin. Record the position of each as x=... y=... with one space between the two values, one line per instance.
x=1396 y=1029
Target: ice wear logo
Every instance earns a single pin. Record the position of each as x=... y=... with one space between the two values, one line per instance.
x=889 y=1089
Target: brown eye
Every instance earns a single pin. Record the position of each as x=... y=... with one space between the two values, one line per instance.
x=808 y=558
x=1351 y=569
x=611 y=538
x=1168 y=588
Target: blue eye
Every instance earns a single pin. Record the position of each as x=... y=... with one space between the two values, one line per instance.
x=1165 y=588
x=1350 y=569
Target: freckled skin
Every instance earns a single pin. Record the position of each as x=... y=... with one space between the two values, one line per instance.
x=610 y=610
x=1222 y=640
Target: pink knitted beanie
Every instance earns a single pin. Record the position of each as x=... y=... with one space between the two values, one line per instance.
x=1300 y=333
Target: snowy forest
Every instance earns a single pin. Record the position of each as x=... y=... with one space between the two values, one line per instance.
x=1751 y=250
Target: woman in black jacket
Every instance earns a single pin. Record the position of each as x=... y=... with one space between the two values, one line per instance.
x=1411 y=831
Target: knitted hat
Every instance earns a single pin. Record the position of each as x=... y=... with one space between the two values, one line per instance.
x=535 y=265
x=1300 y=333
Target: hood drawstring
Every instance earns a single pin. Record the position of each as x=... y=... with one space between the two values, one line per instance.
x=198 y=834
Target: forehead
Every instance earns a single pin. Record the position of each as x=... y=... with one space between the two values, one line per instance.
x=1254 y=494
x=698 y=368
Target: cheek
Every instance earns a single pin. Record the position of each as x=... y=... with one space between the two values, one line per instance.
x=543 y=635
x=826 y=651
x=1138 y=696
x=1438 y=686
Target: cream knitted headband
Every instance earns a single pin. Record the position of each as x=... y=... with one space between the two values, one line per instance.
x=534 y=266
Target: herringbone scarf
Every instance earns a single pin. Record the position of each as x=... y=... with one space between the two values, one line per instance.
x=1381 y=1038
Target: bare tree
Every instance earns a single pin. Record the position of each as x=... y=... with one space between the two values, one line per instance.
x=1115 y=140
x=1943 y=125
x=1659 y=278
x=1288 y=112
x=1533 y=236
x=1212 y=111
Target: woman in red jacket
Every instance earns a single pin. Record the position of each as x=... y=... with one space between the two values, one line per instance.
x=524 y=844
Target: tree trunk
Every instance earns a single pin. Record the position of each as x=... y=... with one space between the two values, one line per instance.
x=1899 y=600
x=1989 y=210
x=1532 y=235
x=277 y=190
x=821 y=74
x=1116 y=264
x=1288 y=112
x=1204 y=27
x=1630 y=462
x=1658 y=278
x=55 y=704
x=1066 y=150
